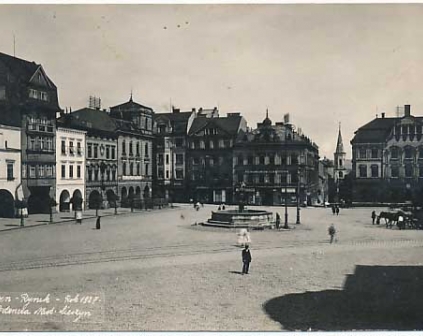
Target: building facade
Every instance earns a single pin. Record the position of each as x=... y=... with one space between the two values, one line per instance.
x=211 y=141
x=70 y=172
x=170 y=148
x=28 y=99
x=10 y=169
x=101 y=153
x=134 y=126
x=388 y=159
x=275 y=165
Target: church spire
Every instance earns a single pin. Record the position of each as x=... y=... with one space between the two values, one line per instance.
x=130 y=99
x=339 y=143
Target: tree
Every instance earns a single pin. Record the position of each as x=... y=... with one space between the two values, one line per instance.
x=96 y=201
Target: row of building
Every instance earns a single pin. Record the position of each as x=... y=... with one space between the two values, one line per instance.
x=129 y=153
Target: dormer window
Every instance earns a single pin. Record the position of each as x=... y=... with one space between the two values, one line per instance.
x=39 y=95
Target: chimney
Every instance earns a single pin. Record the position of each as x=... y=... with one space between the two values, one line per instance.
x=406 y=110
x=383 y=115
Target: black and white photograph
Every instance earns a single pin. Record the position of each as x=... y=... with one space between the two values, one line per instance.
x=211 y=167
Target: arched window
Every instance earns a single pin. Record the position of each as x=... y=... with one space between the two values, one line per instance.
x=394 y=153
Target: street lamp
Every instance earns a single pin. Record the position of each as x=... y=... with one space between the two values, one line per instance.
x=286 y=179
x=298 y=196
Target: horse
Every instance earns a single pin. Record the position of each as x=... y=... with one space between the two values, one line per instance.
x=389 y=217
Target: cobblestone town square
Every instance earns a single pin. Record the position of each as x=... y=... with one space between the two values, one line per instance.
x=155 y=271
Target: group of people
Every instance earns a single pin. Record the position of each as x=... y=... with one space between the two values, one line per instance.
x=222 y=207
x=335 y=209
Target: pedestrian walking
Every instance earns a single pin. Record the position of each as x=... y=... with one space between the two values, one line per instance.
x=223 y=206
x=333 y=209
x=373 y=217
x=97 y=223
x=246 y=259
x=332 y=232
x=337 y=210
x=220 y=208
x=278 y=221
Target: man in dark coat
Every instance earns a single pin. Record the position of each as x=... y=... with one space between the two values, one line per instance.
x=246 y=259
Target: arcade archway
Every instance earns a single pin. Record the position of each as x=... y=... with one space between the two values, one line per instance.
x=7 y=208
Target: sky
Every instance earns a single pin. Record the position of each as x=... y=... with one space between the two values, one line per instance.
x=322 y=64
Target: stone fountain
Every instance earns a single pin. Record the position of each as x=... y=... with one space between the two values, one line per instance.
x=241 y=217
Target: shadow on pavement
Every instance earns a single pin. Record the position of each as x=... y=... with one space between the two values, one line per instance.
x=235 y=272
x=373 y=298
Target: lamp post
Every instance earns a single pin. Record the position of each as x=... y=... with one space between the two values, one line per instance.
x=286 y=179
x=298 y=196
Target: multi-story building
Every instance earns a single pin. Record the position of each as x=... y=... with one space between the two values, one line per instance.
x=388 y=159
x=28 y=99
x=326 y=181
x=101 y=154
x=170 y=148
x=134 y=127
x=276 y=164
x=10 y=169
x=70 y=173
x=211 y=142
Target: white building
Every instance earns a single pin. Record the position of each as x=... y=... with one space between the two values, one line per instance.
x=10 y=169
x=70 y=167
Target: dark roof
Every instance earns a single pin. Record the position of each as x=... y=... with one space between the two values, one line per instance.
x=230 y=124
x=21 y=68
x=89 y=119
x=178 y=116
x=376 y=130
x=130 y=105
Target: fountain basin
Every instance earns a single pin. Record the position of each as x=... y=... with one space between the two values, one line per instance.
x=254 y=219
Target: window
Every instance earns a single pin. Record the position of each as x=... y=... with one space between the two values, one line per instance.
x=272 y=178
x=95 y=151
x=71 y=171
x=167 y=174
x=63 y=175
x=179 y=142
x=408 y=151
x=250 y=160
x=167 y=158
x=221 y=144
x=284 y=178
x=130 y=148
x=32 y=143
x=240 y=177
x=10 y=176
x=41 y=171
x=107 y=152
x=113 y=152
x=131 y=169
x=63 y=147
x=160 y=173
x=146 y=169
x=78 y=148
x=146 y=150
x=90 y=174
x=71 y=149
x=49 y=171
x=179 y=174
x=211 y=144
x=124 y=168
x=138 y=169
x=362 y=171
x=90 y=154
x=179 y=159
x=408 y=170
x=261 y=178
x=340 y=174
x=375 y=170
x=138 y=149
x=202 y=144
x=78 y=171
x=394 y=153
x=113 y=175
x=375 y=153
x=240 y=160
x=394 y=171
x=362 y=153
x=123 y=147
x=32 y=171
x=271 y=160
x=250 y=179
x=160 y=159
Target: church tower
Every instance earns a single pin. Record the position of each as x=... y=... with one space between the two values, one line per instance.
x=339 y=159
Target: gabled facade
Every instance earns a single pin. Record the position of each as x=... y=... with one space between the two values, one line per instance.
x=28 y=99
x=100 y=152
x=388 y=159
x=70 y=172
x=170 y=148
x=134 y=127
x=211 y=141
x=276 y=164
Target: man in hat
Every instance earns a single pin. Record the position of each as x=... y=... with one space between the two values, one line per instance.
x=246 y=259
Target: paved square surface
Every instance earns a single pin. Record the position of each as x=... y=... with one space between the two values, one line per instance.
x=155 y=271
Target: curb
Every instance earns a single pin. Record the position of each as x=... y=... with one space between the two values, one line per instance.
x=64 y=221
